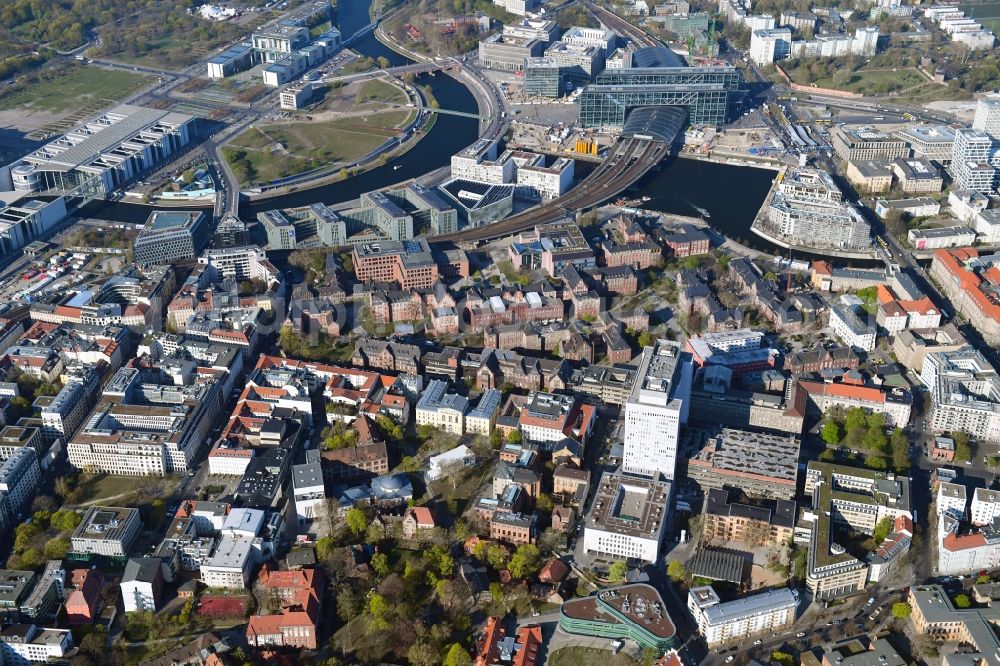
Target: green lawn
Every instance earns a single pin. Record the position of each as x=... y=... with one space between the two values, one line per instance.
x=269 y=152
x=97 y=487
x=581 y=656
x=83 y=87
x=865 y=81
x=380 y=91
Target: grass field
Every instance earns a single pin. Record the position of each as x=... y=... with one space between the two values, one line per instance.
x=379 y=91
x=581 y=656
x=86 y=87
x=865 y=81
x=269 y=152
x=92 y=488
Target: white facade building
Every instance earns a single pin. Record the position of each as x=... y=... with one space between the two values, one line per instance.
x=985 y=506
x=627 y=518
x=19 y=479
x=766 y=46
x=442 y=410
x=987 y=225
x=656 y=409
x=231 y=563
x=748 y=616
x=309 y=491
x=850 y=328
x=141 y=583
x=965 y=391
x=25 y=644
x=106 y=530
x=548 y=182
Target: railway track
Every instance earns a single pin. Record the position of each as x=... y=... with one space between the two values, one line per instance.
x=631 y=160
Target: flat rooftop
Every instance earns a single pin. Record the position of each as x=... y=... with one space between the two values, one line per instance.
x=638 y=604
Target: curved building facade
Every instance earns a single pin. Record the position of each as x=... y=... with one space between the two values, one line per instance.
x=636 y=612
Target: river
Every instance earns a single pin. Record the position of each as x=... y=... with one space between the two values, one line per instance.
x=732 y=195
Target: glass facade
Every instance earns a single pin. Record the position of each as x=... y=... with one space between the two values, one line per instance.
x=542 y=80
x=711 y=95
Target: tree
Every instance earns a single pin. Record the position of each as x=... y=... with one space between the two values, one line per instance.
x=496 y=556
x=514 y=437
x=422 y=654
x=963 y=450
x=496 y=591
x=457 y=656
x=831 y=433
x=961 y=601
x=901 y=610
x=856 y=419
x=380 y=610
x=496 y=440
x=380 y=564
x=357 y=521
x=783 y=658
x=882 y=529
x=544 y=502
x=677 y=571
x=617 y=571
x=526 y=561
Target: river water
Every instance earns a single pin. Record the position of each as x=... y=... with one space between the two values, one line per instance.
x=731 y=195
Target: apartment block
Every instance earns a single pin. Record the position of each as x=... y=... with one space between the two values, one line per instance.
x=722 y=622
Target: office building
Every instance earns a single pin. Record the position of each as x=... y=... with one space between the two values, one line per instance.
x=308 y=491
x=234 y=59
x=970 y=281
x=508 y=53
x=635 y=612
x=628 y=517
x=869 y=175
x=722 y=622
x=171 y=236
x=539 y=29
x=987 y=118
x=24 y=644
x=546 y=182
x=866 y=143
x=23 y=219
x=767 y=46
x=987 y=225
x=965 y=393
x=409 y=263
x=139 y=429
x=231 y=564
x=656 y=409
x=849 y=326
x=929 y=142
x=858 y=499
x=106 y=531
x=711 y=95
x=296 y=96
x=105 y=153
x=315 y=225
x=518 y=7
x=916 y=175
x=762 y=465
x=970 y=161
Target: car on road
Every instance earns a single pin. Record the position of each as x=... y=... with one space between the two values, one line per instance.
x=758 y=642
x=729 y=658
x=801 y=634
